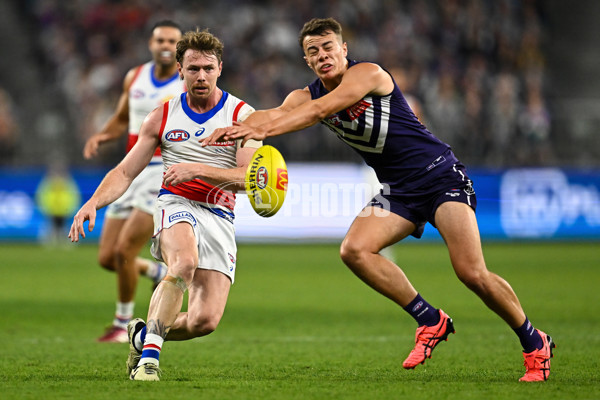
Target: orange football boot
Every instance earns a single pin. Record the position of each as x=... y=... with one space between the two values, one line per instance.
x=426 y=338
x=537 y=363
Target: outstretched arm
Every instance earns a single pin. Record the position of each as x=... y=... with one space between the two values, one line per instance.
x=261 y=117
x=357 y=82
x=117 y=180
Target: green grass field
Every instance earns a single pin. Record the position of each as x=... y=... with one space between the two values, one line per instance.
x=299 y=325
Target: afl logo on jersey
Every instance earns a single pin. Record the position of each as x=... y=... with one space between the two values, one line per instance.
x=334 y=120
x=262 y=177
x=177 y=135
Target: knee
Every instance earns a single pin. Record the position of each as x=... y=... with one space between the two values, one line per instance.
x=106 y=259
x=184 y=268
x=473 y=279
x=204 y=324
x=352 y=253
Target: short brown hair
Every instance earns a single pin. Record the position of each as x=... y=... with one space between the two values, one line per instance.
x=319 y=26
x=201 y=41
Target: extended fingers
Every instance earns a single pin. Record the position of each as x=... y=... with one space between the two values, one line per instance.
x=76 y=229
x=219 y=135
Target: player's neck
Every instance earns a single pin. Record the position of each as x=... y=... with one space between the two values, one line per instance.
x=201 y=105
x=331 y=84
x=164 y=71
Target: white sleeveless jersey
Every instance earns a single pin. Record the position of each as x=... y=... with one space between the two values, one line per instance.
x=180 y=135
x=145 y=94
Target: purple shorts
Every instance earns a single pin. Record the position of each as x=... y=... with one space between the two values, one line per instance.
x=419 y=209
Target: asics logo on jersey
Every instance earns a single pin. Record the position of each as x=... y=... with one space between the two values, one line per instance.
x=177 y=135
x=199 y=132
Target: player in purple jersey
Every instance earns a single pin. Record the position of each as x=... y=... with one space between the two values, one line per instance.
x=423 y=182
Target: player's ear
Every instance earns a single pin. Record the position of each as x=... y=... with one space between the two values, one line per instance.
x=179 y=70
x=345 y=49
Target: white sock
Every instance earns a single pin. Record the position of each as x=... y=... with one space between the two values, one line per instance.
x=151 y=351
x=156 y=271
x=123 y=314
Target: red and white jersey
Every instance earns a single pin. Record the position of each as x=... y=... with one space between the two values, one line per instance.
x=180 y=135
x=145 y=94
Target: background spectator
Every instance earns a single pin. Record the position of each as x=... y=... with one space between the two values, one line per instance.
x=9 y=129
x=477 y=67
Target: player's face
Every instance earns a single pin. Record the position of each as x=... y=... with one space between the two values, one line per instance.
x=162 y=44
x=200 y=72
x=326 y=55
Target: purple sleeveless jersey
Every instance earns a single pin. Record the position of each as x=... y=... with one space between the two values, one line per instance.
x=390 y=138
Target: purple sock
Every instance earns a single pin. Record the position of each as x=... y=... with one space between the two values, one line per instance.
x=529 y=337
x=423 y=312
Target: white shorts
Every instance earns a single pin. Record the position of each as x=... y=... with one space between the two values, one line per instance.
x=141 y=194
x=212 y=226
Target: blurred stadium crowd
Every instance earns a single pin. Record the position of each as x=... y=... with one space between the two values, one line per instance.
x=477 y=68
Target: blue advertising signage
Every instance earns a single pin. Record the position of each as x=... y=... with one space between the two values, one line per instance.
x=323 y=199
x=21 y=217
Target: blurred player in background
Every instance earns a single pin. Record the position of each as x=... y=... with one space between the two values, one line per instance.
x=128 y=221
x=194 y=232
x=423 y=182
x=58 y=197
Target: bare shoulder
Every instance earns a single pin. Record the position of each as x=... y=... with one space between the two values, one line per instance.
x=295 y=99
x=369 y=74
x=364 y=68
x=156 y=115
x=152 y=122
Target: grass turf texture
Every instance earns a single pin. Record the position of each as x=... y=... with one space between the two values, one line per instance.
x=299 y=325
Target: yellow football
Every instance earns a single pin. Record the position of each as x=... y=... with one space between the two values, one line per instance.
x=266 y=181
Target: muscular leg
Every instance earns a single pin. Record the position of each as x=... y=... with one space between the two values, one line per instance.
x=206 y=304
x=134 y=234
x=457 y=224
x=180 y=252
x=369 y=233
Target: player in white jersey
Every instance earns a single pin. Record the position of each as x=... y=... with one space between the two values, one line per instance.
x=194 y=219
x=128 y=221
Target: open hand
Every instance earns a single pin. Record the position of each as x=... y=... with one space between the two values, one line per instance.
x=182 y=172
x=237 y=131
x=86 y=213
